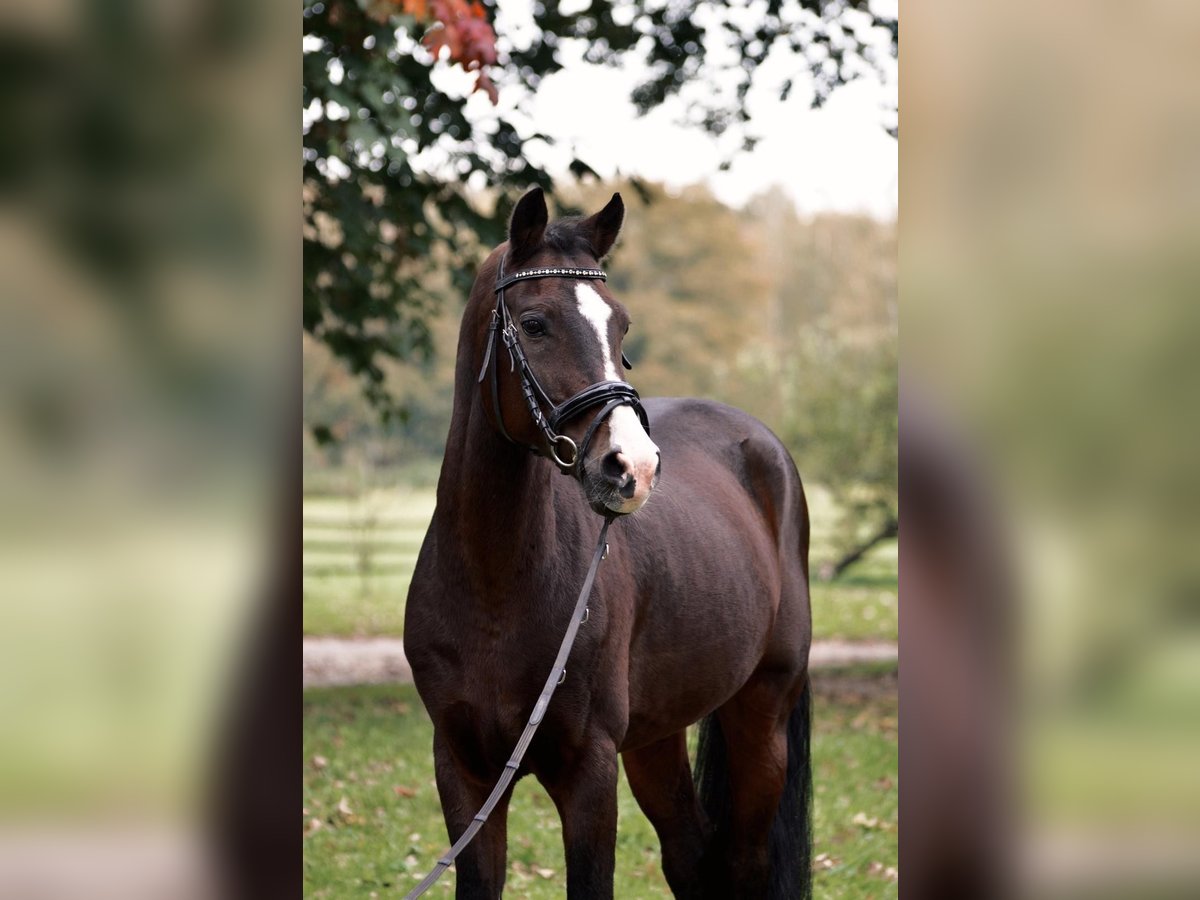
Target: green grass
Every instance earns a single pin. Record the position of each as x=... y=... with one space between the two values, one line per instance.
x=373 y=821
x=359 y=554
x=862 y=602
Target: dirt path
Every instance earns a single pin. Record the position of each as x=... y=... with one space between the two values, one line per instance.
x=342 y=661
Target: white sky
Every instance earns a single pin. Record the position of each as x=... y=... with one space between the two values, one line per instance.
x=836 y=158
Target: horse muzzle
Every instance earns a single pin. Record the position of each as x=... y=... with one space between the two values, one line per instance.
x=620 y=480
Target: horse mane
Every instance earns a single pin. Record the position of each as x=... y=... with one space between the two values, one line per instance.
x=566 y=235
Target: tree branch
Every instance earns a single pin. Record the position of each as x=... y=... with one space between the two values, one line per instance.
x=889 y=529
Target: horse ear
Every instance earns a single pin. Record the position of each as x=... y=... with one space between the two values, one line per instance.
x=528 y=224
x=605 y=225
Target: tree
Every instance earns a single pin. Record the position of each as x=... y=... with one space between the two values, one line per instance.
x=826 y=374
x=380 y=218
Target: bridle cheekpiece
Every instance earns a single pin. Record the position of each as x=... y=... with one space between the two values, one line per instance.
x=607 y=394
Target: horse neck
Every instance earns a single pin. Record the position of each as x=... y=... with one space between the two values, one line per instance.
x=495 y=503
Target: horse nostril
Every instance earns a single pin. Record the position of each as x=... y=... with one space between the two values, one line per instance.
x=613 y=468
x=658 y=468
x=615 y=472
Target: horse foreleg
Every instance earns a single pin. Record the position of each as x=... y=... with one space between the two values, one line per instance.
x=480 y=868
x=661 y=779
x=585 y=792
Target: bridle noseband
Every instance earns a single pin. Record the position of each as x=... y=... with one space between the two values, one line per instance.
x=606 y=394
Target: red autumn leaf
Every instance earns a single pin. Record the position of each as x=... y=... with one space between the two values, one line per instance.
x=462 y=29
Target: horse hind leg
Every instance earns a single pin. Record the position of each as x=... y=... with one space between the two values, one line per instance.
x=660 y=777
x=754 y=780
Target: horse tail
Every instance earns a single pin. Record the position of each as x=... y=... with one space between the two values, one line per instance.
x=791 y=832
x=790 y=845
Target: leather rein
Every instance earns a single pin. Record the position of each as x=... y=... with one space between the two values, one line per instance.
x=607 y=394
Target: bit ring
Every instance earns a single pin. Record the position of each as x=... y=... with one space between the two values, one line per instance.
x=574 y=450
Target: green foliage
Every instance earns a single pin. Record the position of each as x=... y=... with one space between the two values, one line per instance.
x=688 y=272
x=398 y=185
x=842 y=423
x=373 y=821
x=376 y=230
x=825 y=375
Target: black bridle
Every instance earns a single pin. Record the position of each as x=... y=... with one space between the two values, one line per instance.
x=606 y=394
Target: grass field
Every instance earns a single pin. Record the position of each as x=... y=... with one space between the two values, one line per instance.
x=359 y=555
x=373 y=824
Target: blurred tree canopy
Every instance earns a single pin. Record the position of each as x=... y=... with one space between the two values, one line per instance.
x=399 y=185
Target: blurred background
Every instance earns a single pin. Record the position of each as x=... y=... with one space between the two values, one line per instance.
x=148 y=225
x=1051 y=215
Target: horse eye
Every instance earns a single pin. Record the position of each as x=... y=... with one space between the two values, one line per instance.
x=533 y=327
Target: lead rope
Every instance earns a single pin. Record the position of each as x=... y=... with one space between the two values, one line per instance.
x=578 y=617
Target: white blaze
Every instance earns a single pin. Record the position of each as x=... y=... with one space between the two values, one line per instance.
x=624 y=427
x=593 y=308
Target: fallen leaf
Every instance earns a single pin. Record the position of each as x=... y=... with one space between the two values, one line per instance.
x=865 y=821
x=311 y=826
x=888 y=872
x=345 y=813
x=319 y=762
x=402 y=790
x=545 y=873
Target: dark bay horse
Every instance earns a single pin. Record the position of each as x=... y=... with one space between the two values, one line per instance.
x=701 y=611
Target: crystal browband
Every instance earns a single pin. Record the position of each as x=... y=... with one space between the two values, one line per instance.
x=550 y=272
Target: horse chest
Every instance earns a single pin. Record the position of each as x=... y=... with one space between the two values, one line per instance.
x=487 y=714
x=487 y=677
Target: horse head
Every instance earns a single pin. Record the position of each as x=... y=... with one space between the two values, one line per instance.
x=558 y=389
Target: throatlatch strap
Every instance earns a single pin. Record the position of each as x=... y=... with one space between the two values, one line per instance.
x=535 y=719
